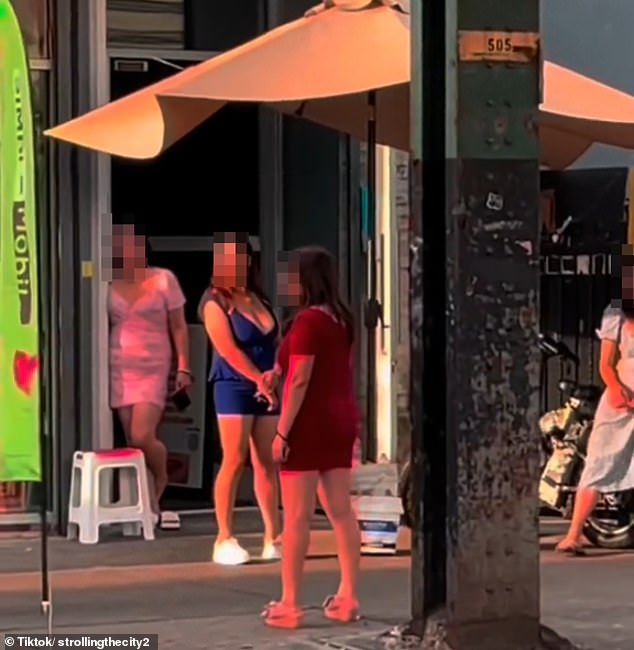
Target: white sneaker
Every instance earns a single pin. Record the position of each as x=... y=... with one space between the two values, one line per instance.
x=230 y=553
x=271 y=552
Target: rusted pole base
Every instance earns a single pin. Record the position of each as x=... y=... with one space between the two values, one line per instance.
x=436 y=636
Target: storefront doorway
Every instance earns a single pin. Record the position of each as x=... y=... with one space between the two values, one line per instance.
x=205 y=183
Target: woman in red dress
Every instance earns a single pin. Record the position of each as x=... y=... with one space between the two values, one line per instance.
x=317 y=429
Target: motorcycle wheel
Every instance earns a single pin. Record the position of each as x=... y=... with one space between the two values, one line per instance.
x=610 y=534
x=406 y=492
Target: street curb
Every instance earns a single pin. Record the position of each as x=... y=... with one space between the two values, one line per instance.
x=90 y=578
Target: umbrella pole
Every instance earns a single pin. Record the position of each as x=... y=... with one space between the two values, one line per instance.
x=373 y=314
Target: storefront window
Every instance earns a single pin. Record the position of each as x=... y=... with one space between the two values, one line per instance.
x=220 y=26
x=34 y=17
x=139 y=24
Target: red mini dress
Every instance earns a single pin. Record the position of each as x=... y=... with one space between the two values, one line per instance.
x=324 y=432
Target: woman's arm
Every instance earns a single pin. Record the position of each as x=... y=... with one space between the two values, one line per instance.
x=221 y=337
x=300 y=369
x=610 y=335
x=180 y=336
x=608 y=358
x=619 y=393
x=204 y=299
x=303 y=346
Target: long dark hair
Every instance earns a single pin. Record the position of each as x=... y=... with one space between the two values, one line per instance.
x=319 y=283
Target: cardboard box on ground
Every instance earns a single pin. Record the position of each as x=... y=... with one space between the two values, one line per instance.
x=377 y=505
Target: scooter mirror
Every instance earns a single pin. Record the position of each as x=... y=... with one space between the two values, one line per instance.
x=553 y=346
x=548 y=344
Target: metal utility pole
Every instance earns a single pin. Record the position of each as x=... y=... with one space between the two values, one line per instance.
x=474 y=316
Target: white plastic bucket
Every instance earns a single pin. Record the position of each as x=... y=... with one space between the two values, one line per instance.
x=379 y=519
x=375 y=480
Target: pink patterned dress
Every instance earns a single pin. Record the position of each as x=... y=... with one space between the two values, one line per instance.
x=140 y=343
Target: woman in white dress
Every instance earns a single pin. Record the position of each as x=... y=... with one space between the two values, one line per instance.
x=610 y=459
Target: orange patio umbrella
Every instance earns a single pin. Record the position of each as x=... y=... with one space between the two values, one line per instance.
x=578 y=112
x=322 y=67
x=331 y=56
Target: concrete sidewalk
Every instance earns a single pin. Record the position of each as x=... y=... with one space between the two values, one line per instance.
x=195 y=604
x=21 y=553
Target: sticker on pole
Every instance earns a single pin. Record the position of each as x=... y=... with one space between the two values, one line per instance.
x=507 y=47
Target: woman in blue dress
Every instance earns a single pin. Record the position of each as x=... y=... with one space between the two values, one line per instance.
x=243 y=331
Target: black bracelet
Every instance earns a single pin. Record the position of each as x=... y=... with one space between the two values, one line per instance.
x=185 y=372
x=279 y=435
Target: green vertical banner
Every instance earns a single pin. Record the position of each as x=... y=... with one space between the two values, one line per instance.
x=19 y=325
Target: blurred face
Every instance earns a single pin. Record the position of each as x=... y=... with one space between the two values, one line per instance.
x=128 y=251
x=289 y=288
x=231 y=263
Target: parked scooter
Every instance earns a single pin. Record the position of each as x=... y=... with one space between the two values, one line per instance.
x=564 y=438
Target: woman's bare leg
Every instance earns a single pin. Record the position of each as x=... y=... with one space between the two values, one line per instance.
x=125 y=417
x=298 y=497
x=234 y=441
x=334 y=495
x=585 y=502
x=265 y=475
x=143 y=434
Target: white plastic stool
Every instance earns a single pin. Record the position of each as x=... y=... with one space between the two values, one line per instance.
x=88 y=509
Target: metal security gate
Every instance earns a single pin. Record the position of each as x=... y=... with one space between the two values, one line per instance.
x=584 y=223
x=575 y=289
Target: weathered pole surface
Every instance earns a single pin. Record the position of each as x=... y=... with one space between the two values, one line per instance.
x=474 y=318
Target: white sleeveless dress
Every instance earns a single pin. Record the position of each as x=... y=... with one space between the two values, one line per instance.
x=610 y=459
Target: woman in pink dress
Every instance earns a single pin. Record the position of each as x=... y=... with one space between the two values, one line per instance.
x=147 y=328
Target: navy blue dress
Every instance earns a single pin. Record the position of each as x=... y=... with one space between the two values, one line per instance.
x=234 y=394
